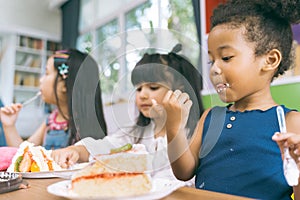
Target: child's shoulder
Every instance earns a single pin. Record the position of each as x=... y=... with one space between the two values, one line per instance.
x=292 y=121
x=217 y=111
x=293 y=115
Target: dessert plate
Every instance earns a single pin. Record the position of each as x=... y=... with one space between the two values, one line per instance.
x=49 y=174
x=161 y=188
x=67 y=173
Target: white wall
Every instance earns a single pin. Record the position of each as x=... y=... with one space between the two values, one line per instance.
x=27 y=17
x=30 y=16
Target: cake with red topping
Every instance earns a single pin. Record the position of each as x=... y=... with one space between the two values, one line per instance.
x=30 y=158
x=123 y=173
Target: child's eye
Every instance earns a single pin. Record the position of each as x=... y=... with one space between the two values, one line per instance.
x=154 y=87
x=138 y=89
x=211 y=62
x=227 y=58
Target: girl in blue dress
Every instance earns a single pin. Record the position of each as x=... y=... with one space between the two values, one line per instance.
x=71 y=83
x=236 y=149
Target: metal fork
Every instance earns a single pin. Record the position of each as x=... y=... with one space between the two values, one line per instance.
x=28 y=101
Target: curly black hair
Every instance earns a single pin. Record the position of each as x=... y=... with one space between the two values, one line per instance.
x=267 y=24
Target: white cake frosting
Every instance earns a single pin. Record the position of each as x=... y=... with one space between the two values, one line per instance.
x=116 y=174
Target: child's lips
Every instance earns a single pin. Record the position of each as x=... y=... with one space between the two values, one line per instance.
x=221 y=87
x=146 y=105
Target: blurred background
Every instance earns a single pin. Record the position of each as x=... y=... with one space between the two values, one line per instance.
x=117 y=33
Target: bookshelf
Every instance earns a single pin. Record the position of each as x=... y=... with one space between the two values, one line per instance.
x=31 y=55
x=23 y=60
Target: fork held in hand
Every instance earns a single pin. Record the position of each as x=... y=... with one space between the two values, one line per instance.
x=290 y=168
x=28 y=101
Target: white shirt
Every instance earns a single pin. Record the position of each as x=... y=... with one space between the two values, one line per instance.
x=157 y=147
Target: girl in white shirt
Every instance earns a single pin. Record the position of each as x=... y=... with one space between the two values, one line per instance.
x=153 y=76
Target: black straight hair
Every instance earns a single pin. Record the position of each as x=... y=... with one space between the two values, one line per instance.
x=75 y=61
x=175 y=71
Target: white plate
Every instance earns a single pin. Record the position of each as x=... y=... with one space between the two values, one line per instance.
x=160 y=189
x=49 y=174
x=55 y=174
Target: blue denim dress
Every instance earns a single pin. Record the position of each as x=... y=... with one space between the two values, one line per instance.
x=57 y=133
x=2 y=136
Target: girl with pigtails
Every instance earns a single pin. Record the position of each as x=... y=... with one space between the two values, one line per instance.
x=61 y=86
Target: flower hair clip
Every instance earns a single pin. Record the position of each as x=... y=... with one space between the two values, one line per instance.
x=63 y=70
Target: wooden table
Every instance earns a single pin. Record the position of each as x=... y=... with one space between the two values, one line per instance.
x=38 y=191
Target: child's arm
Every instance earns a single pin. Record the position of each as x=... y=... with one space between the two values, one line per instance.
x=184 y=167
x=38 y=136
x=83 y=149
x=291 y=140
x=9 y=116
x=183 y=156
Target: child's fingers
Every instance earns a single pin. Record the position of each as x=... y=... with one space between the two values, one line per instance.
x=11 y=109
x=156 y=110
x=297 y=150
x=290 y=141
x=16 y=106
x=60 y=157
x=188 y=104
x=177 y=94
x=168 y=96
x=293 y=143
x=63 y=165
x=183 y=97
x=154 y=102
x=280 y=137
x=294 y=139
x=55 y=155
x=283 y=139
x=7 y=110
x=63 y=161
x=72 y=159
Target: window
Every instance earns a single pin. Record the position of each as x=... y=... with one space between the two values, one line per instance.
x=118 y=35
x=85 y=42
x=107 y=58
x=1 y=53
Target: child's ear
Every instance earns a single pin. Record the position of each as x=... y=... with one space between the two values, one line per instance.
x=272 y=60
x=64 y=88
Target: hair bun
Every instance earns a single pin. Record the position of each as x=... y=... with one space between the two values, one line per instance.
x=287 y=9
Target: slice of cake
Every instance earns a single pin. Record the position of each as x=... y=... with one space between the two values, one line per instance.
x=30 y=158
x=114 y=175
